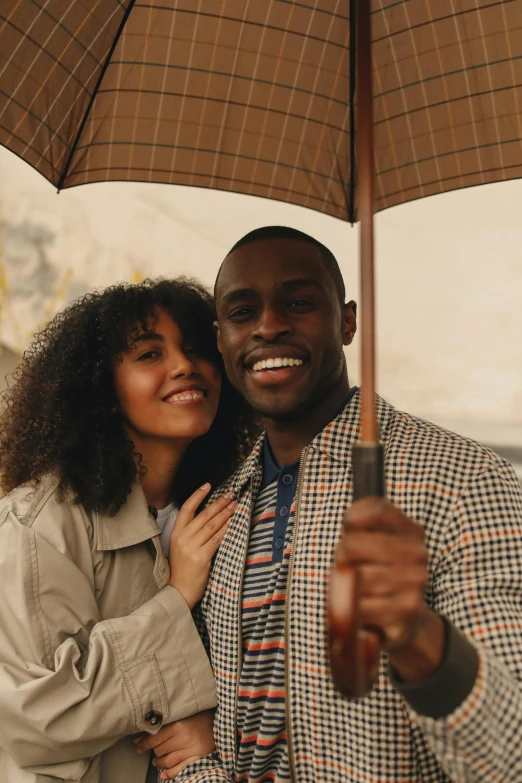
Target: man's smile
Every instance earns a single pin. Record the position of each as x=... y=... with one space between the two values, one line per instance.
x=274 y=364
x=276 y=370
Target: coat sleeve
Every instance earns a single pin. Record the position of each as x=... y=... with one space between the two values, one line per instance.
x=477 y=586
x=209 y=769
x=70 y=684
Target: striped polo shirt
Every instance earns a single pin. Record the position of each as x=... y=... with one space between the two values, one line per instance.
x=261 y=705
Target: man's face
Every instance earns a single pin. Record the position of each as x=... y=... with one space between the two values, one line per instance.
x=281 y=328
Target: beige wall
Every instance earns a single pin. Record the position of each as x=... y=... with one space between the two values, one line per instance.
x=449 y=277
x=8 y=362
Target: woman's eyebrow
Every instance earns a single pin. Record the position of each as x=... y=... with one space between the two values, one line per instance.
x=147 y=336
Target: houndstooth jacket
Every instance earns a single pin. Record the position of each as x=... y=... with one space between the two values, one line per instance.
x=470 y=504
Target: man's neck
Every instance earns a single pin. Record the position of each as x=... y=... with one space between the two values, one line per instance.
x=289 y=437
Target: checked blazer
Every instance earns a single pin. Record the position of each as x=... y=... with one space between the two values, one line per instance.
x=469 y=502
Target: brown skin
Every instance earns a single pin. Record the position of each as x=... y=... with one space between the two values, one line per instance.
x=157 y=364
x=275 y=298
x=264 y=312
x=179 y=744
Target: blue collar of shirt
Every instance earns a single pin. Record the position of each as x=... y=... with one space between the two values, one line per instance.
x=271 y=469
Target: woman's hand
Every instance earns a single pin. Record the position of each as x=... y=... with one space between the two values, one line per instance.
x=195 y=540
x=178 y=744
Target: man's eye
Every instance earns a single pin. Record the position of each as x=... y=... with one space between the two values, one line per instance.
x=301 y=303
x=241 y=312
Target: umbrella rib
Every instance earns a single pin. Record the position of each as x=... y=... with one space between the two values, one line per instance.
x=353 y=81
x=94 y=94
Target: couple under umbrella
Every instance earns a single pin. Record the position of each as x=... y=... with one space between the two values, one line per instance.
x=426 y=581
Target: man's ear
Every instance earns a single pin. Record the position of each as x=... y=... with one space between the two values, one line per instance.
x=218 y=336
x=349 y=315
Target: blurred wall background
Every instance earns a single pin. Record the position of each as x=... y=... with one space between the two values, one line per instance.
x=449 y=279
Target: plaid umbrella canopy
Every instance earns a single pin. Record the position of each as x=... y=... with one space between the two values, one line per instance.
x=260 y=98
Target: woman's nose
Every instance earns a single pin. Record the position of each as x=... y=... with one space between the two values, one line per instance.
x=181 y=365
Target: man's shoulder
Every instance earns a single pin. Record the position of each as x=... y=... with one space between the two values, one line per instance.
x=417 y=441
x=242 y=472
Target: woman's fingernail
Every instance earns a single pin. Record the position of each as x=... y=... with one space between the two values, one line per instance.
x=227 y=495
x=205 y=486
x=232 y=505
x=139 y=750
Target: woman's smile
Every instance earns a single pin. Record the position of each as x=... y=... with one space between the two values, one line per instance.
x=193 y=393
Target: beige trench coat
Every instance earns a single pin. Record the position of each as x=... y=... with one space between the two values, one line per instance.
x=94 y=644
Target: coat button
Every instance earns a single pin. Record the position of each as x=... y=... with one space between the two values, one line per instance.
x=154 y=718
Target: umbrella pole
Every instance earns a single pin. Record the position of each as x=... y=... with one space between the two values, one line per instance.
x=366 y=209
x=355 y=651
x=368 y=458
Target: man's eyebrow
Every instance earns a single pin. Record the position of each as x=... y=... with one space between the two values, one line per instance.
x=302 y=282
x=237 y=293
x=243 y=293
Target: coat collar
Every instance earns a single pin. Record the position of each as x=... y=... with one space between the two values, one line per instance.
x=132 y=524
x=335 y=440
x=342 y=433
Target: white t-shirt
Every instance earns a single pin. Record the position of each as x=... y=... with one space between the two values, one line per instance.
x=165 y=519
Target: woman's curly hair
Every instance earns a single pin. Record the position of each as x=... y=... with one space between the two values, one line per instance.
x=59 y=415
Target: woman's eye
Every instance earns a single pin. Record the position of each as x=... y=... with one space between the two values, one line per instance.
x=147 y=355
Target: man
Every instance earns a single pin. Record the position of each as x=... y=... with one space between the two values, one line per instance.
x=440 y=562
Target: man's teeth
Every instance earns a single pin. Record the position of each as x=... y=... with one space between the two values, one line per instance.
x=270 y=364
x=192 y=395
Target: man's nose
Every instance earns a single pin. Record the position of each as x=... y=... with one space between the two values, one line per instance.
x=271 y=326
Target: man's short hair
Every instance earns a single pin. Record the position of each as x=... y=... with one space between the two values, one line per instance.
x=285 y=232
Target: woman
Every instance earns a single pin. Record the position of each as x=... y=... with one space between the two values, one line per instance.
x=120 y=413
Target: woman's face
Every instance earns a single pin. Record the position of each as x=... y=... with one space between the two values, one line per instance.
x=164 y=390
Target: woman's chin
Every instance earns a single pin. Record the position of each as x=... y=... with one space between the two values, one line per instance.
x=189 y=430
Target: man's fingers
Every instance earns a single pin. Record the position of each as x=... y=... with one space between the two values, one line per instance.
x=378 y=548
x=189 y=507
x=170 y=760
x=168 y=774
x=383 y=581
x=145 y=742
x=390 y=615
x=376 y=513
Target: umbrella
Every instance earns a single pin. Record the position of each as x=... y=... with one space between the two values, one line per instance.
x=265 y=99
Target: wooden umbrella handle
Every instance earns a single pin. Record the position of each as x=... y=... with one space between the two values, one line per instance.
x=354 y=650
